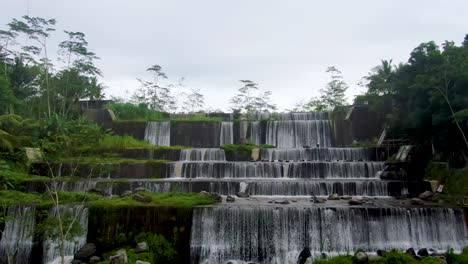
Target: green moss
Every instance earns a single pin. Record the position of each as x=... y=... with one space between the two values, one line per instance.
x=197 y=119
x=106 y=159
x=396 y=257
x=16 y=197
x=157 y=199
x=233 y=147
x=462 y=258
x=336 y=260
x=11 y=179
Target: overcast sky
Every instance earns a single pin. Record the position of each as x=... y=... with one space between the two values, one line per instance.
x=285 y=46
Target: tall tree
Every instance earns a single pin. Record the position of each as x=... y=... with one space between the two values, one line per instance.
x=333 y=95
x=37 y=29
x=249 y=99
x=194 y=101
x=156 y=96
x=79 y=67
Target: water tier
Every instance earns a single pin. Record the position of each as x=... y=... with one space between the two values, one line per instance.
x=279 y=234
x=317 y=154
x=305 y=170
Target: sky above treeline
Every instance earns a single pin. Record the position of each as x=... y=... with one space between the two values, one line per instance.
x=284 y=46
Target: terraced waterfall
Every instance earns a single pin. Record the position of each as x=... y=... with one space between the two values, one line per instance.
x=278 y=209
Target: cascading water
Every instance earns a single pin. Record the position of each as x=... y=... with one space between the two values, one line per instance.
x=255 y=133
x=303 y=170
x=323 y=154
x=323 y=188
x=158 y=133
x=298 y=133
x=226 y=135
x=289 y=116
x=202 y=154
x=278 y=234
x=17 y=237
x=74 y=217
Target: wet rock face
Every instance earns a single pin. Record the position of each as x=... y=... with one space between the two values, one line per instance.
x=242 y=195
x=416 y=201
x=304 y=255
x=85 y=253
x=423 y=252
x=426 y=195
x=230 y=199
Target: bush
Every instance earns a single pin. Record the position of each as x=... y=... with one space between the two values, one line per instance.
x=431 y=260
x=453 y=258
x=396 y=257
x=112 y=142
x=128 y=111
x=160 y=249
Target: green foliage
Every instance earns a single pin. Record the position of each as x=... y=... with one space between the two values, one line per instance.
x=333 y=95
x=425 y=99
x=161 y=199
x=431 y=260
x=250 y=100
x=64 y=137
x=129 y=111
x=453 y=258
x=455 y=181
x=160 y=250
x=153 y=94
x=11 y=176
x=336 y=260
x=396 y=257
x=49 y=227
x=241 y=147
x=115 y=143
x=10 y=197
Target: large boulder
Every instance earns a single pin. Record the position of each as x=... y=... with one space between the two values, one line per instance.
x=361 y=257
x=381 y=252
x=411 y=251
x=416 y=201
x=85 y=252
x=427 y=195
x=423 y=252
x=242 y=195
x=334 y=196
x=119 y=257
x=141 y=247
x=356 y=201
x=304 y=255
x=282 y=202
x=230 y=199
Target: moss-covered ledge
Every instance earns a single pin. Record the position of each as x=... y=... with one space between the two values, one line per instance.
x=115 y=223
x=103 y=168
